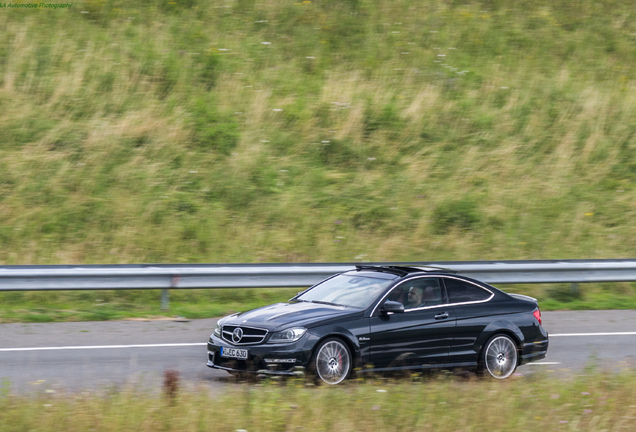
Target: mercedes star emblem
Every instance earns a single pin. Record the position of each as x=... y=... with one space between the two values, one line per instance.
x=237 y=335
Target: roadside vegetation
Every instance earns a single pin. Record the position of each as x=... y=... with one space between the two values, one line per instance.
x=62 y=306
x=597 y=401
x=316 y=131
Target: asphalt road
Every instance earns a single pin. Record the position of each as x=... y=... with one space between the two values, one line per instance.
x=89 y=356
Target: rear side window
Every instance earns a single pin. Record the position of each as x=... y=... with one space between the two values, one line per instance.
x=463 y=292
x=418 y=293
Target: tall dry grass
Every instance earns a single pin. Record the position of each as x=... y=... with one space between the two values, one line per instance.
x=596 y=401
x=316 y=131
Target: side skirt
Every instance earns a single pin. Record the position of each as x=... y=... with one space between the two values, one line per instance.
x=421 y=367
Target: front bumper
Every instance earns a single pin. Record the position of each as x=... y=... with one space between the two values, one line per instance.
x=272 y=359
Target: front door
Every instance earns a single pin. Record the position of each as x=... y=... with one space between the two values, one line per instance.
x=419 y=337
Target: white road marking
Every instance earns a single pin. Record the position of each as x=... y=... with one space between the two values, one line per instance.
x=173 y=345
x=593 y=334
x=543 y=363
x=102 y=347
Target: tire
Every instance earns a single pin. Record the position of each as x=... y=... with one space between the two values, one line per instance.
x=331 y=362
x=499 y=358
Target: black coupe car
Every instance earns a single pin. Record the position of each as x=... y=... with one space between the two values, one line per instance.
x=384 y=318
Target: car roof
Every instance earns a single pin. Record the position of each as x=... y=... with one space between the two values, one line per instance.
x=404 y=270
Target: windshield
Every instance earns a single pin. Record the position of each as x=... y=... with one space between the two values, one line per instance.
x=346 y=290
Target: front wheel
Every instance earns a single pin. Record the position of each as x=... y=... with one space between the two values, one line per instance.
x=499 y=357
x=332 y=361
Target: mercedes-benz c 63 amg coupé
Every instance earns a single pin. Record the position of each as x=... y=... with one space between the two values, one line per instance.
x=384 y=318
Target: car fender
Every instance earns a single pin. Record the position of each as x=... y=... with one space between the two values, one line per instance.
x=499 y=326
x=340 y=332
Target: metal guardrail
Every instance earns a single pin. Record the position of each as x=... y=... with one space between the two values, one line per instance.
x=166 y=277
x=101 y=277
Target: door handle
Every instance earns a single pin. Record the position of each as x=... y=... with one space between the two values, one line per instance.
x=441 y=316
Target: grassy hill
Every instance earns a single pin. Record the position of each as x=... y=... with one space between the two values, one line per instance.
x=245 y=131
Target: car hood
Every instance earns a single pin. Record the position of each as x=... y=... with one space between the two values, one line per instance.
x=283 y=315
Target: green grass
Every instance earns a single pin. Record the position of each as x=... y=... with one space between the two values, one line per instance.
x=316 y=131
x=60 y=306
x=323 y=131
x=596 y=401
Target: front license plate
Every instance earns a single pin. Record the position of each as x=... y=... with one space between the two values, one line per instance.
x=236 y=353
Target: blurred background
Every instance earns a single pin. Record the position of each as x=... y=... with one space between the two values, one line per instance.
x=191 y=131
x=332 y=130
x=244 y=131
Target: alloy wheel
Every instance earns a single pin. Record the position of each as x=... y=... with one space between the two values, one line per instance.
x=500 y=357
x=333 y=361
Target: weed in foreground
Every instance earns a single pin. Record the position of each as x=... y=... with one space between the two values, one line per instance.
x=590 y=401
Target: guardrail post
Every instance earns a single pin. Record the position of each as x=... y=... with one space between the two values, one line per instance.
x=165 y=299
x=165 y=293
x=574 y=289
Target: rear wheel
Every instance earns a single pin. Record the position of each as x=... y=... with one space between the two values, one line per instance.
x=499 y=357
x=332 y=361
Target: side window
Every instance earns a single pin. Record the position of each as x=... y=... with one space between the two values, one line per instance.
x=418 y=293
x=462 y=292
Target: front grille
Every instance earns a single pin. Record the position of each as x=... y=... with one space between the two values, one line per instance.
x=248 y=335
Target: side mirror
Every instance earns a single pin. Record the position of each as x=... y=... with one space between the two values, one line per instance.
x=392 y=306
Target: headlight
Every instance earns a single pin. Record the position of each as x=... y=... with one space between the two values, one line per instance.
x=217 y=330
x=219 y=324
x=289 y=335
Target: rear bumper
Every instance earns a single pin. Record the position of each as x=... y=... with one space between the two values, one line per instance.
x=536 y=350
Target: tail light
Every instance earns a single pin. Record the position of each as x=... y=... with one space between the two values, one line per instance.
x=537 y=315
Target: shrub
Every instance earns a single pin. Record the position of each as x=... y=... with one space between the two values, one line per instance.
x=387 y=119
x=564 y=293
x=213 y=130
x=462 y=214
